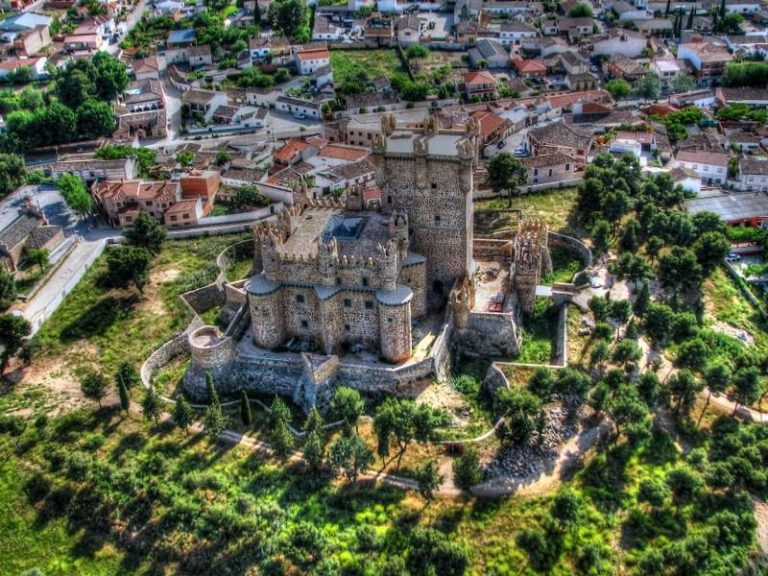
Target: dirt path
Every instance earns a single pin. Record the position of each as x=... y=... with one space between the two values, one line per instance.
x=761 y=515
x=571 y=453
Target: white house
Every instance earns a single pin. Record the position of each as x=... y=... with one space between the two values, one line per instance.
x=36 y=66
x=628 y=12
x=308 y=61
x=326 y=29
x=514 y=32
x=712 y=167
x=745 y=7
x=688 y=180
x=625 y=42
x=299 y=106
x=753 y=174
x=204 y=102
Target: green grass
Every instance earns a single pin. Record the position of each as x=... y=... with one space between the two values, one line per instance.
x=97 y=325
x=375 y=63
x=538 y=335
x=555 y=207
x=565 y=264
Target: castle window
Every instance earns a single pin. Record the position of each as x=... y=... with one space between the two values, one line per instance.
x=567 y=167
x=347 y=303
x=300 y=298
x=535 y=171
x=346 y=327
x=369 y=304
x=437 y=219
x=550 y=171
x=304 y=324
x=365 y=281
x=389 y=199
x=434 y=186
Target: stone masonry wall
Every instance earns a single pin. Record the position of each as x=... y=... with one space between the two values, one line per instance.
x=488 y=335
x=205 y=298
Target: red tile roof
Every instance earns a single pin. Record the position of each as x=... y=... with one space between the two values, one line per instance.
x=313 y=54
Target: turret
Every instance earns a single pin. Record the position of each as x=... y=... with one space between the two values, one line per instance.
x=327 y=257
x=398 y=231
x=269 y=241
x=388 y=262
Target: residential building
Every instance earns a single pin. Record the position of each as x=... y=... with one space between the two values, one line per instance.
x=326 y=29
x=201 y=184
x=668 y=70
x=30 y=230
x=146 y=68
x=618 y=41
x=300 y=106
x=91 y=169
x=29 y=42
x=308 y=61
x=627 y=12
x=707 y=59
x=626 y=68
x=576 y=28
x=753 y=174
x=551 y=167
x=711 y=166
x=122 y=200
x=200 y=56
x=752 y=97
x=533 y=68
x=560 y=137
x=477 y=84
x=36 y=66
x=743 y=209
x=408 y=29
x=204 y=102
x=379 y=29
x=511 y=33
x=491 y=52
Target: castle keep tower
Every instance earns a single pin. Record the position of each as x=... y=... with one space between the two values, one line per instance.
x=427 y=177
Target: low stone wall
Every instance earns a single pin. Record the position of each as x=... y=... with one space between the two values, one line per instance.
x=177 y=346
x=560 y=357
x=204 y=298
x=488 y=334
x=574 y=244
x=493 y=249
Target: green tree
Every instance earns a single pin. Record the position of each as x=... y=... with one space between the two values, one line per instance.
x=601 y=237
x=350 y=455
x=683 y=83
x=566 y=507
x=214 y=420
x=291 y=17
x=94 y=386
x=314 y=422
x=185 y=158
x=110 y=77
x=73 y=88
x=581 y=10
x=658 y=322
x=643 y=300
x=649 y=86
x=210 y=389
x=39 y=257
x=280 y=435
x=150 y=405
x=183 y=414
x=222 y=157
x=314 y=450
x=146 y=232
x=679 y=269
x=711 y=249
x=401 y=420
x=693 y=354
x=746 y=386
x=618 y=88
x=7 y=290
x=416 y=51
x=95 y=119
x=12 y=173
x=13 y=330
x=431 y=552
x=683 y=388
x=429 y=479
x=347 y=405
x=74 y=193
x=521 y=408
x=127 y=375
x=626 y=351
x=125 y=398
x=684 y=483
x=653 y=492
x=128 y=265
x=248 y=196
x=505 y=174
x=246 y=416
x=466 y=469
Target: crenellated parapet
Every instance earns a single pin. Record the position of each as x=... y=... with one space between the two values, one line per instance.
x=531 y=257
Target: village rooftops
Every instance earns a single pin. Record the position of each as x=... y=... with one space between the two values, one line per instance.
x=313 y=54
x=136 y=189
x=184 y=36
x=730 y=207
x=198 y=96
x=754 y=166
x=708 y=51
x=146 y=65
x=560 y=134
x=547 y=160
x=703 y=157
x=478 y=78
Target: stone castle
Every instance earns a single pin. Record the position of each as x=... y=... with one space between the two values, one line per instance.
x=339 y=292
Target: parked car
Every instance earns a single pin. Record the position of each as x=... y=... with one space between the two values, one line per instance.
x=733 y=257
x=501 y=144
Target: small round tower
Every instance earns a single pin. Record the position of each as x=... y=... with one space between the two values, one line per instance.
x=266 y=307
x=395 y=338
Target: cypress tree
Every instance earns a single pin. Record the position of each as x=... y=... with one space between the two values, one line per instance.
x=245 y=409
x=125 y=399
x=722 y=9
x=213 y=396
x=691 y=14
x=183 y=414
x=666 y=12
x=643 y=300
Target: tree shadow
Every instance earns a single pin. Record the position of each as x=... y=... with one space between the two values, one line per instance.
x=99 y=318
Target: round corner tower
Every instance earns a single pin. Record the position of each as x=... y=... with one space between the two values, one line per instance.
x=395 y=336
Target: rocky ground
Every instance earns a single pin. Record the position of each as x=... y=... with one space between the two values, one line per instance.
x=538 y=456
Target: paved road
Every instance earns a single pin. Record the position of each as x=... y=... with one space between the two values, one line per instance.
x=64 y=279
